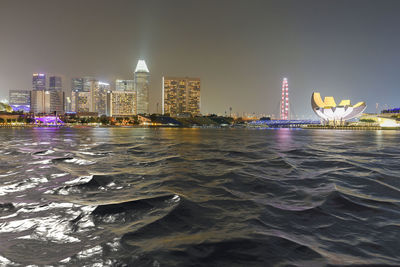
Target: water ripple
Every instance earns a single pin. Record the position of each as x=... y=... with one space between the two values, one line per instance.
x=199 y=197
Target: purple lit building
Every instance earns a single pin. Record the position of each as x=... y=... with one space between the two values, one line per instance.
x=20 y=100
x=48 y=120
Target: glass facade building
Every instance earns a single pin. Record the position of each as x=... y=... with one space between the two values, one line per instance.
x=125 y=85
x=77 y=84
x=55 y=83
x=39 y=81
x=181 y=95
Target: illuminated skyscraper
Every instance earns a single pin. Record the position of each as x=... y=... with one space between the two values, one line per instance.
x=20 y=100
x=125 y=85
x=121 y=103
x=141 y=79
x=40 y=102
x=57 y=96
x=55 y=83
x=57 y=99
x=77 y=84
x=99 y=97
x=47 y=102
x=89 y=95
x=39 y=81
x=181 y=95
x=81 y=101
x=284 y=110
x=88 y=84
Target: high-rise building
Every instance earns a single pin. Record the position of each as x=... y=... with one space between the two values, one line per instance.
x=39 y=81
x=120 y=103
x=89 y=84
x=77 y=84
x=125 y=85
x=57 y=99
x=55 y=83
x=89 y=95
x=181 y=95
x=284 y=111
x=47 y=102
x=40 y=102
x=81 y=101
x=20 y=100
x=142 y=77
x=99 y=97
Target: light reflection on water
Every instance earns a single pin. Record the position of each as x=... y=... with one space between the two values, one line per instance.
x=212 y=197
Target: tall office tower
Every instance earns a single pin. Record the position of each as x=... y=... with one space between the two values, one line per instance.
x=55 y=83
x=39 y=81
x=85 y=102
x=125 y=85
x=20 y=100
x=47 y=102
x=88 y=84
x=181 y=95
x=120 y=103
x=81 y=101
x=284 y=111
x=57 y=99
x=99 y=97
x=142 y=76
x=40 y=102
x=77 y=84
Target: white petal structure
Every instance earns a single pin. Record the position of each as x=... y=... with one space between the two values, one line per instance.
x=328 y=111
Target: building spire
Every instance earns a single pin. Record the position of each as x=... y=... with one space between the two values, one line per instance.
x=141 y=66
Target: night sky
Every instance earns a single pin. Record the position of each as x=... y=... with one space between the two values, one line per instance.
x=241 y=49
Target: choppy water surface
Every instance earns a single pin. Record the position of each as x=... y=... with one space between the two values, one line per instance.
x=205 y=197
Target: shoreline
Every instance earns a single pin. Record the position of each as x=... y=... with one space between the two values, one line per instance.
x=305 y=127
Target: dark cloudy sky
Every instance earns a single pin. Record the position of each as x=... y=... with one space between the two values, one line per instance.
x=241 y=49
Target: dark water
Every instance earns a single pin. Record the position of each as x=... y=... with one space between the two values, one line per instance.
x=199 y=197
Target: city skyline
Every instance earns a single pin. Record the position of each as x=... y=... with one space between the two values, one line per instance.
x=241 y=57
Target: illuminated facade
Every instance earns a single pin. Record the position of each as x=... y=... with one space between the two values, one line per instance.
x=99 y=97
x=81 y=101
x=89 y=84
x=77 y=84
x=47 y=102
x=40 y=102
x=125 y=85
x=20 y=100
x=121 y=103
x=141 y=82
x=284 y=110
x=181 y=95
x=39 y=82
x=329 y=112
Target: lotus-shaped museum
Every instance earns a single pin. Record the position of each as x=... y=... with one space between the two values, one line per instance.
x=328 y=111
